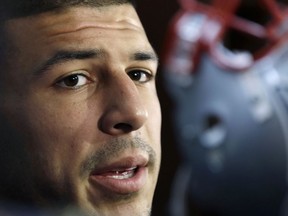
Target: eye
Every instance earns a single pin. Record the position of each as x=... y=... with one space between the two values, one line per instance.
x=73 y=81
x=139 y=75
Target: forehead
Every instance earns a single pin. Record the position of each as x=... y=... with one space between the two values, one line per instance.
x=107 y=28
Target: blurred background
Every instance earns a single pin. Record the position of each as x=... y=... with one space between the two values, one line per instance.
x=223 y=88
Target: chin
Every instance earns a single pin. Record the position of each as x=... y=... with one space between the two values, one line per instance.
x=128 y=205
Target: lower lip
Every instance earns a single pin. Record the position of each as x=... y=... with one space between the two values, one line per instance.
x=123 y=186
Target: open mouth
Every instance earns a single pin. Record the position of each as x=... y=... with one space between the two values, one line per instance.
x=124 y=177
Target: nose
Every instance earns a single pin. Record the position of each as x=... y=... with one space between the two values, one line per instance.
x=124 y=110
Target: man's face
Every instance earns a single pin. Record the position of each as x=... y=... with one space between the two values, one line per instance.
x=80 y=117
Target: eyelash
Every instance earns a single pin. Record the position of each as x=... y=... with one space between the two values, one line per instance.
x=72 y=81
x=134 y=75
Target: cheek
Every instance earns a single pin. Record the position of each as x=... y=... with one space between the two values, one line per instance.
x=58 y=130
x=155 y=115
x=154 y=123
x=60 y=139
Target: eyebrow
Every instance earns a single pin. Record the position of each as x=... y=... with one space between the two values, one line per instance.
x=66 y=56
x=145 y=56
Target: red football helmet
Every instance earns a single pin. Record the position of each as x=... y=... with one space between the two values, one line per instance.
x=252 y=26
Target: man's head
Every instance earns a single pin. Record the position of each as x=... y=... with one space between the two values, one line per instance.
x=80 y=117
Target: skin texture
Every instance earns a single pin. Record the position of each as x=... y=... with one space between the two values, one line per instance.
x=57 y=131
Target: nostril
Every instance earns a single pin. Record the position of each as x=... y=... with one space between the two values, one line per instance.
x=124 y=127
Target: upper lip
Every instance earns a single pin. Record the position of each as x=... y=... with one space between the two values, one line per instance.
x=123 y=163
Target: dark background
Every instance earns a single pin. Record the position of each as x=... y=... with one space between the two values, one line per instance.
x=155 y=16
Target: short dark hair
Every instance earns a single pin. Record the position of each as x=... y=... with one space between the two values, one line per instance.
x=21 y=8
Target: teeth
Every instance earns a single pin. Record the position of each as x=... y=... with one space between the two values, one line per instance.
x=124 y=175
x=128 y=173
